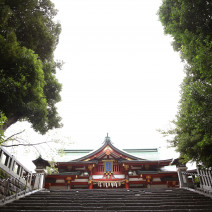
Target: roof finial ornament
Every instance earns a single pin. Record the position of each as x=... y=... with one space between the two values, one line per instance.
x=107 y=139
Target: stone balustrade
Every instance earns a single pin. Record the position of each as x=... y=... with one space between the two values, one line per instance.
x=15 y=179
x=10 y=165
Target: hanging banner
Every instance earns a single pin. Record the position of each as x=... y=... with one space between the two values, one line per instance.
x=108 y=166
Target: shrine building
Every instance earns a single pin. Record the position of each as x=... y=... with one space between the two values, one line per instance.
x=110 y=167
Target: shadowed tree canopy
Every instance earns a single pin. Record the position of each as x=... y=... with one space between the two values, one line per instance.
x=29 y=89
x=190 y=25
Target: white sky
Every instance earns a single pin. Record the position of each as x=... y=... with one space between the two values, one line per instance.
x=120 y=75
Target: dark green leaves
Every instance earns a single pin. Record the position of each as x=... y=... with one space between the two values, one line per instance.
x=190 y=24
x=29 y=89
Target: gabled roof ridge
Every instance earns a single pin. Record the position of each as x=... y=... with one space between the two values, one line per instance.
x=126 y=153
x=107 y=142
x=91 y=153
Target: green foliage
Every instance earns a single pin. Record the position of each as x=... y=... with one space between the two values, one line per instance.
x=3 y=120
x=52 y=169
x=32 y=22
x=3 y=174
x=190 y=25
x=197 y=181
x=29 y=89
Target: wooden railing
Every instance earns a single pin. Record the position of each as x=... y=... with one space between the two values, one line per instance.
x=16 y=180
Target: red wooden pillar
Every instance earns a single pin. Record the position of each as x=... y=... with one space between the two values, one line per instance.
x=70 y=185
x=126 y=168
x=68 y=180
x=148 y=179
x=127 y=184
x=90 y=182
x=90 y=185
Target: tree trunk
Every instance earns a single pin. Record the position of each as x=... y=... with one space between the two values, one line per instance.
x=10 y=121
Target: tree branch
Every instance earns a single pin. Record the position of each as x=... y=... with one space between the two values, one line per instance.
x=12 y=145
x=14 y=135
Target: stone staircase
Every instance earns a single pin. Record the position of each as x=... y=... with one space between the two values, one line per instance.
x=99 y=200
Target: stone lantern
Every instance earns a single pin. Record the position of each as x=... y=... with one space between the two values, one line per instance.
x=40 y=164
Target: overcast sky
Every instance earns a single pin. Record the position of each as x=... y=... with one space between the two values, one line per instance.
x=120 y=75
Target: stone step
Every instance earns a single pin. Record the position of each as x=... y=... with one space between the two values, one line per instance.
x=118 y=196
x=103 y=200
x=114 y=194
x=205 y=201
x=116 y=199
x=128 y=203
x=108 y=207
x=157 y=210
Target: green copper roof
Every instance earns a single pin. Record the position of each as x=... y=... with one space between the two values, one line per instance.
x=71 y=154
x=136 y=154
x=148 y=154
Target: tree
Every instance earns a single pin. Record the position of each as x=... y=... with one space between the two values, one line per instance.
x=190 y=25
x=29 y=89
x=3 y=119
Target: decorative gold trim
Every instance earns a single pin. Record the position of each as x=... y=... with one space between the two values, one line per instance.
x=90 y=167
x=128 y=158
x=107 y=147
x=126 y=167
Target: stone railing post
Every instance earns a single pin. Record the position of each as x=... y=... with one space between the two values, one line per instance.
x=39 y=179
x=183 y=179
x=29 y=179
x=181 y=167
x=1 y=154
x=11 y=162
